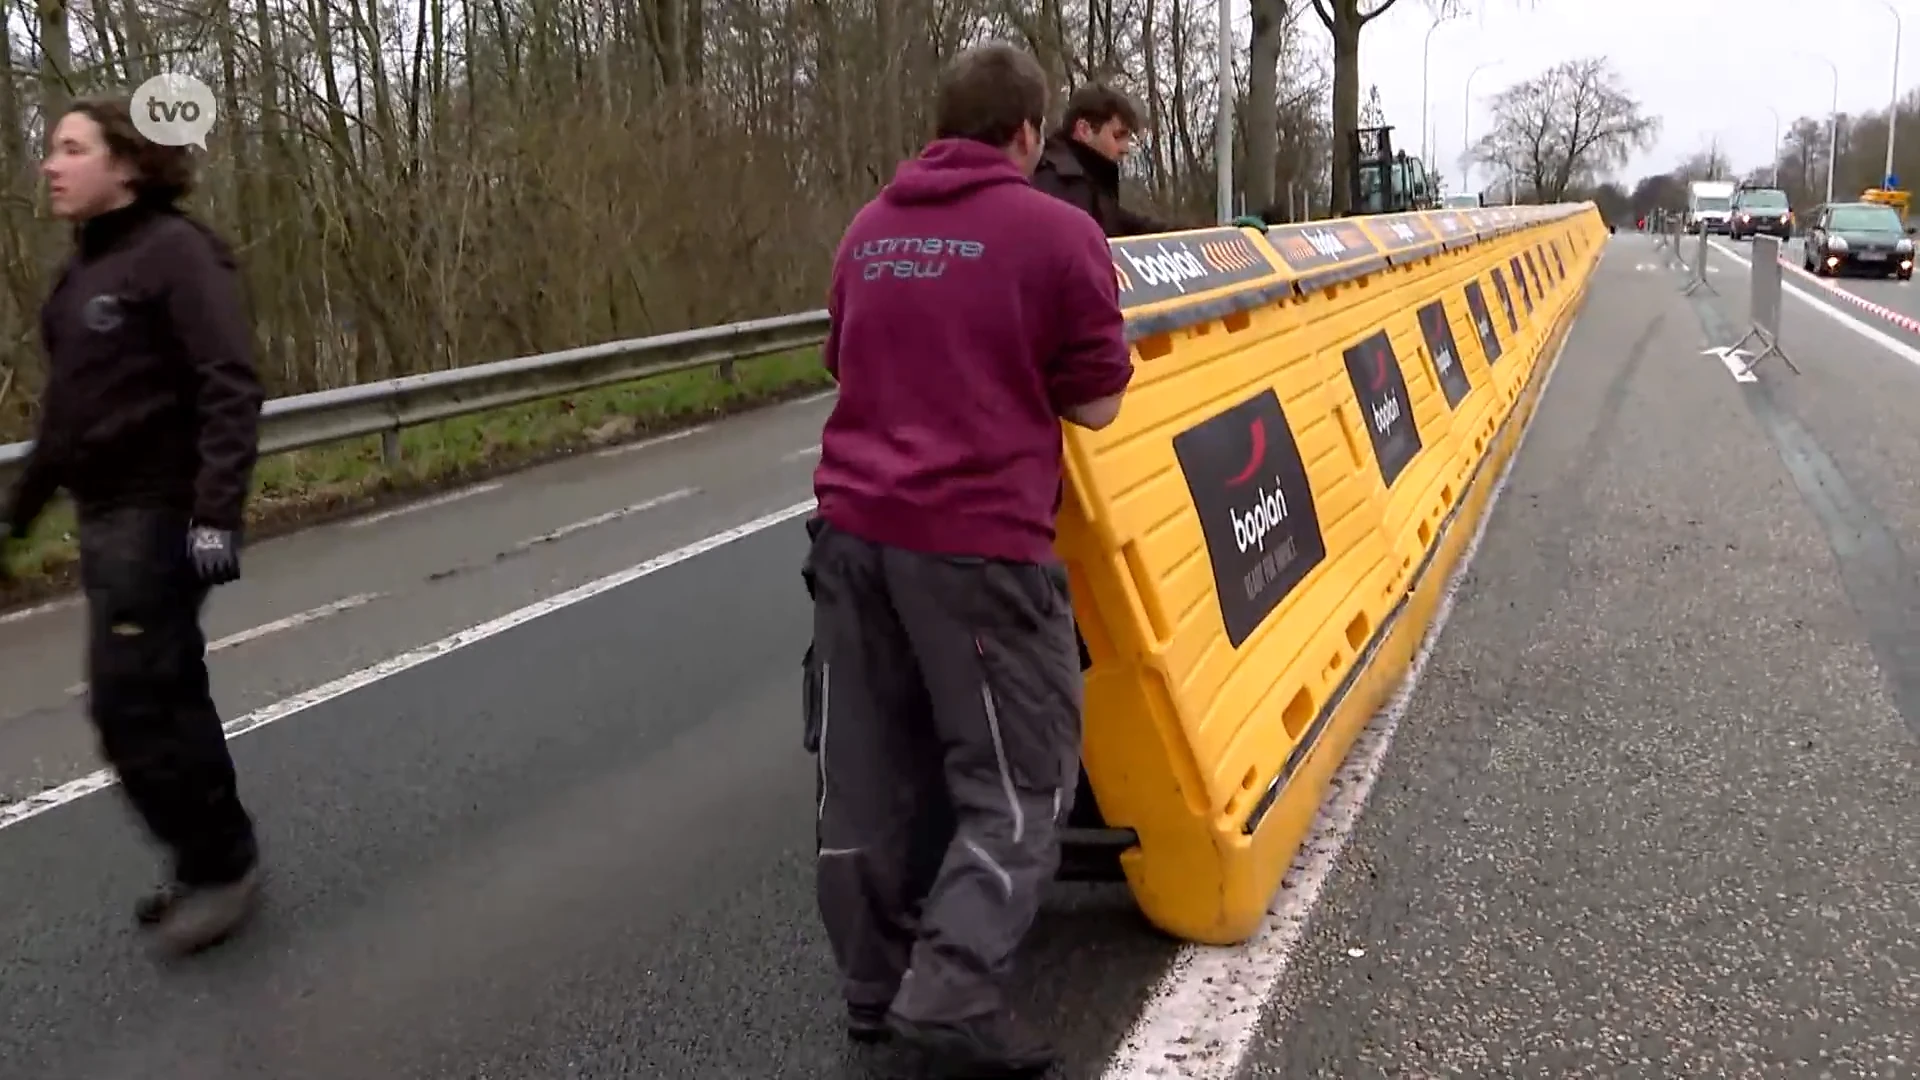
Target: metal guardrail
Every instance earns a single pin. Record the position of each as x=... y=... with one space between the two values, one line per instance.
x=388 y=407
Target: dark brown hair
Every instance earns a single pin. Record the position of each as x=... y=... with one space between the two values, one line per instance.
x=1097 y=103
x=162 y=174
x=988 y=92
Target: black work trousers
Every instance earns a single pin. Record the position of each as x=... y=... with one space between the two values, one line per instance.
x=948 y=708
x=148 y=690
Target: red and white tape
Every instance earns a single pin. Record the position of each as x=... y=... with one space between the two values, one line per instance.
x=1904 y=322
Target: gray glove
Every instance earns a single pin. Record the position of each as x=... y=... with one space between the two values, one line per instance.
x=215 y=554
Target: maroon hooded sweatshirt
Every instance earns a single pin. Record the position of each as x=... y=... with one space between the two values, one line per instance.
x=969 y=311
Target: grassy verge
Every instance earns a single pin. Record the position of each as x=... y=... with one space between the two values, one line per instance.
x=307 y=487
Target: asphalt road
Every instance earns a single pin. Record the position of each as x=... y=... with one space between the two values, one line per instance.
x=1652 y=811
x=1649 y=812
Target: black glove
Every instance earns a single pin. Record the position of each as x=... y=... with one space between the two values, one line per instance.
x=215 y=554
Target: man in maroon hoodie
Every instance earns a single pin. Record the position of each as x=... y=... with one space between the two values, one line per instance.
x=971 y=314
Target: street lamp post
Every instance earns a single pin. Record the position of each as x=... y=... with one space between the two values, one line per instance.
x=1223 y=137
x=1466 y=125
x=1776 y=143
x=1833 y=127
x=1426 y=89
x=1893 y=103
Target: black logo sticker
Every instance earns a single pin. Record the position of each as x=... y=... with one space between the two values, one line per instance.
x=1448 y=371
x=1506 y=300
x=1483 y=321
x=1534 y=273
x=1168 y=267
x=1320 y=244
x=1249 y=486
x=1520 y=279
x=1385 y=407
x=1555 y=244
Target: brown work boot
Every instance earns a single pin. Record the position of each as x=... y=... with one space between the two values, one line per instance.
x=186 y=919
x=987 y=1047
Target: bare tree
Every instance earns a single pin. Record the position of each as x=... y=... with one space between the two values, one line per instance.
x=1569 y=125
x=418 y=184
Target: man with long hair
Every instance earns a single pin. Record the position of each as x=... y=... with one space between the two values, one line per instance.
x=150 y=422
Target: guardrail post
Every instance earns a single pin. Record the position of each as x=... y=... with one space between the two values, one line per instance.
x=1763 y=307
x=1698 y=278
x=390 y=448
x=726 y=372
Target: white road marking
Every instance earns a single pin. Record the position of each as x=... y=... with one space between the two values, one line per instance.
x=38 y=609
x=52 y=798
x=811 y=398
x=803 y=452
x=274 y=627
x=658 y=440
x=1893 y=345
x=1200 y=1019
x=1735 y=362
x=424 y=504
x=602 y=519
x=291 y=621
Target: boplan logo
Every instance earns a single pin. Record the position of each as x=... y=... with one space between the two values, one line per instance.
x=1166 y=266
x=1380 y=388
x=1269 y=508
x=1250 y=490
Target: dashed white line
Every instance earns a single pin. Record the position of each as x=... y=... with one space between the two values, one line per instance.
x=264 y=629
x=38 y=609
x=52 y=798
x=424 y=504
x=1200 y=1019
x=602 y=519
x=658 y=440
x=291 y=621
x=803 y=452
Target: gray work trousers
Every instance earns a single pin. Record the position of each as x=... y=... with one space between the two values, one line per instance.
x=949 y=715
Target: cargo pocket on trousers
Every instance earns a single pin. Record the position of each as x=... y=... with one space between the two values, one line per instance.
x=1032 y=712
x=813 y=701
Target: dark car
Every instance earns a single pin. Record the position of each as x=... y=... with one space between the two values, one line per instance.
x=1760 y=210
x=1859 y=237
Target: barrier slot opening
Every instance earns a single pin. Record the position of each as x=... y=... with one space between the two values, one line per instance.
x=1298 y=714
x=1236 y=321
x=1358 y=629
x=1346 y=435
x=1426 y=533
x=1155 y=347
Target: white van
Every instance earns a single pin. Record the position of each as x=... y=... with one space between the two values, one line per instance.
x=1710 y=206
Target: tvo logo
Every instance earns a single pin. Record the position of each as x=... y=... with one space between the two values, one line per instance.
x=1385 y=413
x=1268 y=512
x=1166 y=267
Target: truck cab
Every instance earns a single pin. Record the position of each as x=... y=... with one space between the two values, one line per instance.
x=1709 y=206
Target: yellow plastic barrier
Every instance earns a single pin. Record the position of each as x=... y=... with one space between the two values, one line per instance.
x=1256 y=546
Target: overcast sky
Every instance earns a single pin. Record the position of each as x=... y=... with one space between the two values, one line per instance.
x=1674 y=55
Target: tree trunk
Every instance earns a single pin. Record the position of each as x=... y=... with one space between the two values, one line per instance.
x=1346 y=100
x=1263 y=101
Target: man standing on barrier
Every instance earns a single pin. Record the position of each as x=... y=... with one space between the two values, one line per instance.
x=150 y=422
x=970 y=315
